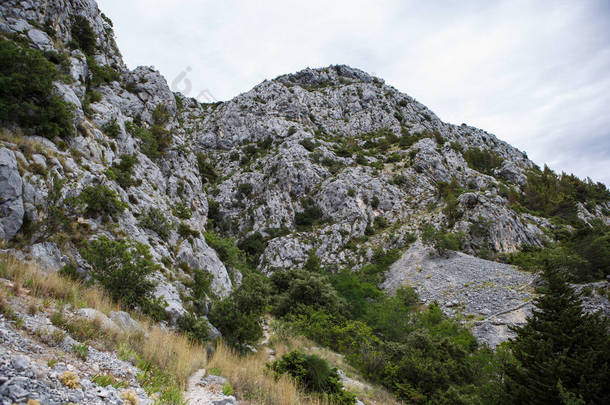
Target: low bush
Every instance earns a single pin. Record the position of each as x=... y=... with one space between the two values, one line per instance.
x=182 y=210
x=310 y=216
x=206 y=169
x=483 y=160
x=196 y=328
x=239 y=317
x=101 y=200
x=253 y=245
x=227 y=251
x=121 y=171
x=441 y=240
x=584 y=254
x=148 y=143
x=112 y=128
x=200 y=289
x=99 y=75
x=122 y=268
x=156 y=221
x=244 y=190
x=308 y=144
x=301 y=291
x=313 y=374
x=83 y=36
x=27 y=93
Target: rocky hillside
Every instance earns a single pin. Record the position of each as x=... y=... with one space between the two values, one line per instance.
x=330 y=163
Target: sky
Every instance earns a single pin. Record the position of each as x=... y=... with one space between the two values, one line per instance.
x=534 y=73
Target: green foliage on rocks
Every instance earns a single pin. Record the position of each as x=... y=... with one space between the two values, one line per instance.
x=121 y=171
x=101 y=200
x=206 y=169
x=310 y=216
x=156 y=221
x=418 y=353
x=483 y=160
x=441 y=240
x=83 y=36
x=27 y=94
x=123 y=268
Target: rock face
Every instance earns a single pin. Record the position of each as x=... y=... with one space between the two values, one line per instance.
x=11 y=195
x=331 y=161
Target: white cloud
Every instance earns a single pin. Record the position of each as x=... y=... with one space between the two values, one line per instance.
x=537 y=74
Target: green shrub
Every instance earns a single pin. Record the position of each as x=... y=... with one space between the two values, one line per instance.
x=200 y=288
x=301 y=291
x=99 y=75
x=584 y=254
x=156 y=221
x=196 y=328
x=308 y=144
x=148 y=145
x=101 y=200
x=123 y=268
x=253 y=245
x=83 y=36
x=121 y=172
x=244 y=189
x=227 y=251
x=186 y=232
x=380 y=222
x=182 y=211
x=442 y=241
x=482 y=160
x=27 y=93
x=227 y=389
x=407 y=139
x=549 y=195
x=310 y=216
x=313 y=262
x=112 y=128
x=239 y=317
x=313 y=374
x=81 y=351
x=160 y=115
x=206 y=169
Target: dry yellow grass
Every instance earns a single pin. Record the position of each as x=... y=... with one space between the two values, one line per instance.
x=171 y=352
x=70 y=379
x=248 y=378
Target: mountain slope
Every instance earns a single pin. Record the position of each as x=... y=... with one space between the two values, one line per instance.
x=329 y=163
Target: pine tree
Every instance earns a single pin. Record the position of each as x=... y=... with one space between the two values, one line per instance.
x=561 y=351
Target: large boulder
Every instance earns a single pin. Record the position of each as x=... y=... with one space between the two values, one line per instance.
x=11 y=195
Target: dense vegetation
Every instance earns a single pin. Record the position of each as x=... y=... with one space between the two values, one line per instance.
x=583 y=249
x=27 y=94
x=556 y=196
x=482 y=160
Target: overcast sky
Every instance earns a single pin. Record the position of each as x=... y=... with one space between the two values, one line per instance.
x=535 y=73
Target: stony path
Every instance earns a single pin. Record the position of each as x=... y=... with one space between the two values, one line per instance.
x=200 y=393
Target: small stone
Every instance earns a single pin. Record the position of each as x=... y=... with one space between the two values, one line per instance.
x=20 y=363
